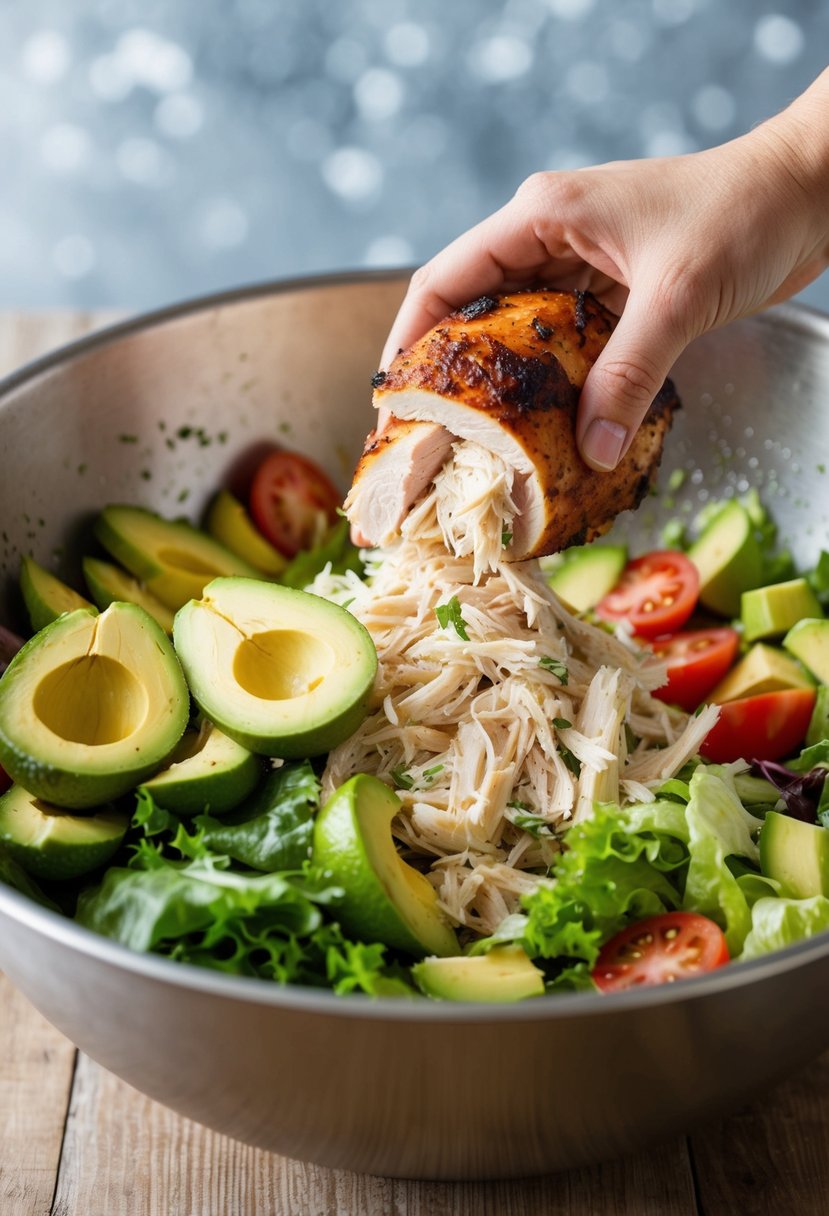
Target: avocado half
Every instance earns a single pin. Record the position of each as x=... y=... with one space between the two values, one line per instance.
x=282 y=672
x=90 y=706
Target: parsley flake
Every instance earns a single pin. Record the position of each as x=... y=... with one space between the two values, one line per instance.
x=450 y=614
x=506 y=538
x=402 y=779
x=556 y=667
x=562 y=724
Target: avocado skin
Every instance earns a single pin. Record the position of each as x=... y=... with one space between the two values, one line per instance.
x=315 y=741
x=67 y=785
x=194 y=789
x=57 y=856
x=45 y=596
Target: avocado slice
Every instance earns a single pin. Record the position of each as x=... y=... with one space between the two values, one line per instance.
x=505 y=973
x=108 y=585
x=763 y=669
x=769 y=612
x=796 y=854
x=50 y=843
x=171 y=558
x=282 y=672
x=385 y=899
x=808 y=641
x=229 y=522
x=728 y=559
x=91 y=706
x=207 y=772
x=45 y=596
x=819 y=725
x=587 y=574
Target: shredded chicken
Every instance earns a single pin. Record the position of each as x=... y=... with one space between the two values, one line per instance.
x=499 y=740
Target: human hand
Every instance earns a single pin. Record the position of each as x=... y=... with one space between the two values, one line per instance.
x=677 y=246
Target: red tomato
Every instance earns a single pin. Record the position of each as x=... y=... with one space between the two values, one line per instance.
x=659 y=950
x=656 y=593
x=292 y=501
x=697 y=661
x=766 y=727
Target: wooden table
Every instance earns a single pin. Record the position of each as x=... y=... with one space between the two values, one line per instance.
x=75 y=1141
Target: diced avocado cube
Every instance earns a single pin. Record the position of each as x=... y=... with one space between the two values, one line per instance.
x=728 y=559
x=505 y=973
x=796 y=854
x=769 y=612
x=808 y=641
x=763 y=669
x=587 y=574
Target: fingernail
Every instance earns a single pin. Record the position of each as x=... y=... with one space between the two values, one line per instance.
x=603 y=444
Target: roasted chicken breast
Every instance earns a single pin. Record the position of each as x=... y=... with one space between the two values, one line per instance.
x=505 y=372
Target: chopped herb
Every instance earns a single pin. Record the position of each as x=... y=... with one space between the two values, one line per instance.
x=433 y=771
x=821 y=468
x=561 y=724
x=544 y=331
x=146 y=474
x=402 y=779
x=506 y=538
x=450 y=614
x=183 y=495
x=82 y=469
x=517 y=805
x=184 y=432
x=677 y=480
x=572 y=762
x=171 y=444
x=534 y=825
x=556 y=667
x=347 y=603
x=128 y=439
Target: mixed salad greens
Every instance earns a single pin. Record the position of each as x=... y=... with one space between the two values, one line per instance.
x=729 y=861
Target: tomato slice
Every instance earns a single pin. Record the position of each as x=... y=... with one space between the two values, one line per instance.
x=292 y=501
x=659 y=950
x=656 y=593
x=767 y=727
x=697 y=660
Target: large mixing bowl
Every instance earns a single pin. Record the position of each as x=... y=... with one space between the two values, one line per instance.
x=417 y=1089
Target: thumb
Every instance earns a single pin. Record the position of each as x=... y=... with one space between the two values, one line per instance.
x=624 y=380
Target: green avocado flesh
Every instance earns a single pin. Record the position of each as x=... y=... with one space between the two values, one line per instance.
x=587 y=574
x=808 y=641
x=763 y=669
x=50 y=843
x=505 y=973
x=230 y=524
x=728 y=560
x=282 y=672
x=90 y=706
x=796 y=854
x=385 y=899
x=207 y=772
x=172 y=559
x=769 y=612
x=109 y=585
x=46 y=597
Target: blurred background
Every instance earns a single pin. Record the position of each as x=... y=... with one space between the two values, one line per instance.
x=156 y=149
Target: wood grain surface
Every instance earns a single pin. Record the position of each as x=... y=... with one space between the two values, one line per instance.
x=76 y=1141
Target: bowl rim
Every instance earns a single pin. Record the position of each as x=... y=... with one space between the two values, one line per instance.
x=61 y=930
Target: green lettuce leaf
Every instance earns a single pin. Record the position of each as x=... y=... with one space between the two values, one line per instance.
x=335 y=547
x=719 y=827
x=776 y=923
x=273 y=828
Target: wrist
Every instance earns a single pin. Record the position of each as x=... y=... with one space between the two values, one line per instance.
x=797 y=141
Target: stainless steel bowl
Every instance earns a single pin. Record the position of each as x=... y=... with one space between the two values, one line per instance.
x=410 y=1089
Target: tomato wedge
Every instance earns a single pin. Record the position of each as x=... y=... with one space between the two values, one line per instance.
x=697 y=660
x=766 y=727
x=292 y=501
x=656 y=593
x=659 y=950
